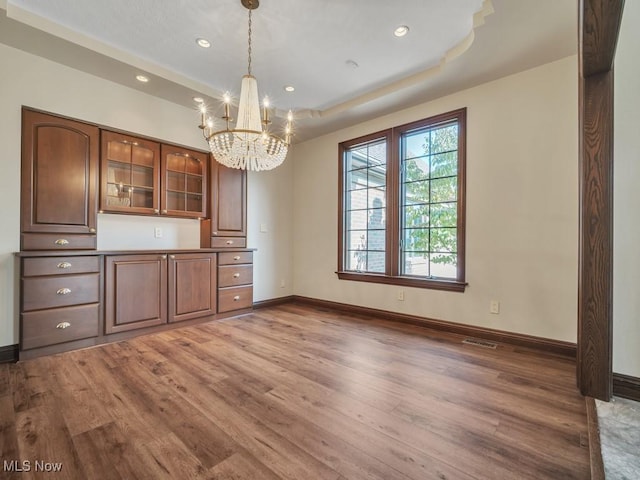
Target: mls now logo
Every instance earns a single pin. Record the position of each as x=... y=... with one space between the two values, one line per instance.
x=27 y=466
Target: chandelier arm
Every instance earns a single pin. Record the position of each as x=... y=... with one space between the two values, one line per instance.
x=239 y=130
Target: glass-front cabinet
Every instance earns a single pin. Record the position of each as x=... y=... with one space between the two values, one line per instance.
x=130 y=177
x=184 y=182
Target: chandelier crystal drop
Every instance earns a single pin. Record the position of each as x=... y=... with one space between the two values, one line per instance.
x=250 y=145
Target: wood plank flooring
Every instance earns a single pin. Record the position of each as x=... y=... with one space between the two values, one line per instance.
x=295 y=392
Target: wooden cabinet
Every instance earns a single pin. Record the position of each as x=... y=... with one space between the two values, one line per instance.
x=59 y=182
x=235 y=281
x=228 y=225
x=135 y=291
x=60 y=300
x=184 y=182
x=129 y=175
x=147 y=290
x=192 y=286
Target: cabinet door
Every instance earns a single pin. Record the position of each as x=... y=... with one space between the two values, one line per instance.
x=59 y=174
x=192 y=286
x=184 y=182
x=129 y=175
x=136 y=291
x=229 y=204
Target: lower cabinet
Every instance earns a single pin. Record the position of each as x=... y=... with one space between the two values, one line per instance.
x=135 y=291
x=146 y=290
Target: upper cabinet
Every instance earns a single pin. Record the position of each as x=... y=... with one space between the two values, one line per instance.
x=229 y=209
x=130 y=175
x=59 y=182
x=184 y=182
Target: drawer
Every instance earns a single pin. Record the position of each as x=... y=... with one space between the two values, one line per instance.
x=237 y=242
x=58 y=241
x=48 y=327
x=32 y=267
x=234 y=298
x=59 y=291
x=231 y=258
x=232 y=275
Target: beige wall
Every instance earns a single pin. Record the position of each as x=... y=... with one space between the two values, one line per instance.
x=626 y=235
x=30 y=80
x=522 y=209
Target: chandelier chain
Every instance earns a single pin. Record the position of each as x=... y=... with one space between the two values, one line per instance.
x=249 y=49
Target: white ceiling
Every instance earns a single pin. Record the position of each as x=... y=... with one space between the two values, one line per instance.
x=452 y=44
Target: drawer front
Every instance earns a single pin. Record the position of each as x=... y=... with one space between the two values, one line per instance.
x=49 y=327
x=232 y=275
x=234 y=298
x=232 y=258
x=59 y=291
x=32 y=267
x=58 y=241
x=231 y=242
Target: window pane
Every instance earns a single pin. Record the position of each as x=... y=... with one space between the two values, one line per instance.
x=444 y=240
x=416 y=169
x=444 y=139
x=444 y=214
x=357 y=220
x=416 y=239
x=376 y=176
x=444 y=189
x=357 y=199
x=444 y=165
x=443 y=265
x=356 y=179
x=375 y=262
x=356 y=260
x=416 y=192
x=416 y=216
x=377 y=153
x=416 y=144
x=356 y=158
x=416 y=263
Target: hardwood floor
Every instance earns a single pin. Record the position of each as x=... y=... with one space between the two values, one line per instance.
x=295 y=392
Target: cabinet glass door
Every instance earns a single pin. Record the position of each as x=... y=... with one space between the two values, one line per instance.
x=129 y=174
x=184 y=180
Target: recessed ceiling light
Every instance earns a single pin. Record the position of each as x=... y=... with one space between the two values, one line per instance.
x=289 y=88
x=198 y=99
x=142 y=78
x=352 y=63
x=401 y=31
x=203 y=42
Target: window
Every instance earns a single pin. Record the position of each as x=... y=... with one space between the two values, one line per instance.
x=402 y=214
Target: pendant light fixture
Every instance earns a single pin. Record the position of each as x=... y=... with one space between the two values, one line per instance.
x=250 y=145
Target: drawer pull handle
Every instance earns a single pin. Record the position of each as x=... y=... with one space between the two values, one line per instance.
x=62 y=241
x=237 y=257
x=236 y=275
x=63 y=325
x=63 y=291
x=64 y=265
x=229 y=242
x=236 y=298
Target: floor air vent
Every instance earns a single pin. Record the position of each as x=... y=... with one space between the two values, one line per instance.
x=480 y=343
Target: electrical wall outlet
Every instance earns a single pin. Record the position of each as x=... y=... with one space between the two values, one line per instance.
x=494 y=307
x=282 y=284
x=157 y=232
x=263 y=228
x=401 y=295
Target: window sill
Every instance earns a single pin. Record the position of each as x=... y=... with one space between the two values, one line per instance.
x=446 y=285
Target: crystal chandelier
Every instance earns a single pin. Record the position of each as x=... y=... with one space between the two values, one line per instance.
x=250 y=145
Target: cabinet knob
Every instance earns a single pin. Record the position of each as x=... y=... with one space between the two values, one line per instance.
x=214 y=233
x=63 y=325
x=164 y=212
x=92 y=230
x=64 y=265
x=236 y=298
x=172 y=257
x=236 y=258
x=229 y=242
x=236 y=275
x=163 y=257
x=62 y=241
x=63 y=291
x=155 y=210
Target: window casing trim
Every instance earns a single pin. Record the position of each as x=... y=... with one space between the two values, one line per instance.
x=393 y=137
